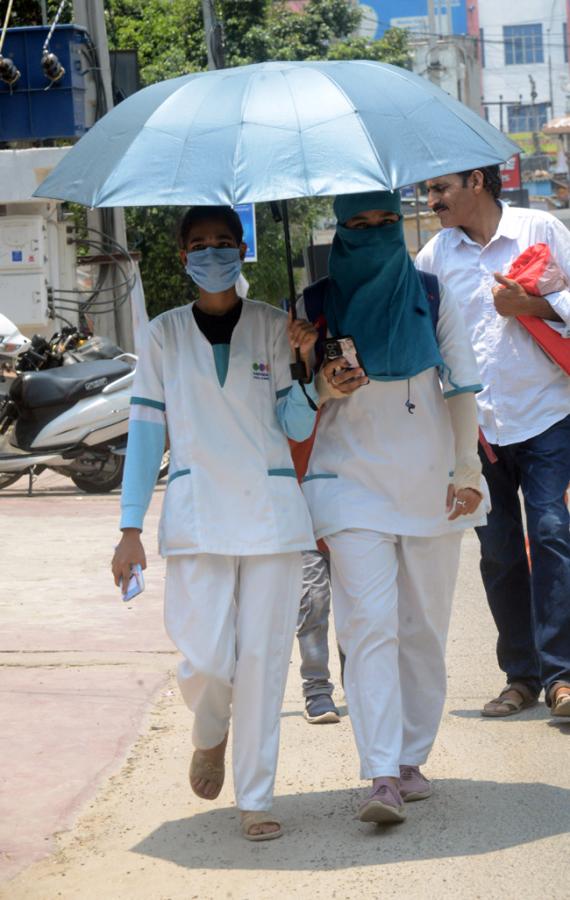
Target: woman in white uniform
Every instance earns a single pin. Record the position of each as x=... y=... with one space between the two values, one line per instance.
x=393 y=481
x=234 y=521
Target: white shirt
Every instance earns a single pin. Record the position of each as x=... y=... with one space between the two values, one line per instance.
x=232 y=487
x=376 y=466
x=524 y=392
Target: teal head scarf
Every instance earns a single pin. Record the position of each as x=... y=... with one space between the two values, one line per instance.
x=375 y=294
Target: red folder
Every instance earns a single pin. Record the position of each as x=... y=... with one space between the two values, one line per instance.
x=539 y=273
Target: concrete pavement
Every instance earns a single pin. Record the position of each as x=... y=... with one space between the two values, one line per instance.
x=96 y=745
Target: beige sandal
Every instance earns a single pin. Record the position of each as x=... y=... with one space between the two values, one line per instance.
x=513 y=699
x=259 y=818
x=201 y=767
x=560 y=700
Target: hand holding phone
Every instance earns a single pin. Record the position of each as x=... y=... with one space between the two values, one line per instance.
x=135 y=585
x=349 y=374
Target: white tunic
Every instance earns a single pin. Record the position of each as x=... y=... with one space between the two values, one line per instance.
x=232 y=488
x=378 y=467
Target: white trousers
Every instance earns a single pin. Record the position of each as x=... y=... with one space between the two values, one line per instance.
x=233 y=618
x=392 y=604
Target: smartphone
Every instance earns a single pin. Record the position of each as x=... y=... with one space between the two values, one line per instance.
x=135 y=585
x=346 y=348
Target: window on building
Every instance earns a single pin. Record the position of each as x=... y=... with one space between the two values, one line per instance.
x=482 y=47
x=565 y=40
x=523 y=44
x=527 y=118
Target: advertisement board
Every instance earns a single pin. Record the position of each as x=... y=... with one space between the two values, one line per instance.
x=511 y=173
x=412 y=15
x=246 y=212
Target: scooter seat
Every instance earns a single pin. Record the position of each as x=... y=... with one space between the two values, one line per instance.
x=66 y=385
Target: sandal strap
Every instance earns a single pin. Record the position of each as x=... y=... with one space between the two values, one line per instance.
x=519 y=688
x=201 y=767
x=257 y=817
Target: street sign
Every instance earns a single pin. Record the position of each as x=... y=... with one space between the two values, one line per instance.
x=246 y=212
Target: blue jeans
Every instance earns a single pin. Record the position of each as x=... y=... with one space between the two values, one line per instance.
x=313 y=625
x=531 y=608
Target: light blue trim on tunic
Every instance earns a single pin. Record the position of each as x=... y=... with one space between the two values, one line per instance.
x=222 y=361
x=145 y=401
x=468 y=389
x=284 y=473
x=314 y=477
x=295 y=416
x=178 y=474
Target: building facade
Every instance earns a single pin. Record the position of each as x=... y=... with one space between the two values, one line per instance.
x=525 y=75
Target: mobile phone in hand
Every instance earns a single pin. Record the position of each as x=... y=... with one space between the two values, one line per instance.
x=135 y=585
x=344 y=347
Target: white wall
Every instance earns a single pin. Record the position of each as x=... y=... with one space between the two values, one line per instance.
x=513 y=80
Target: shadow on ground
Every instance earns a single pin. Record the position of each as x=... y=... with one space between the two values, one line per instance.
x=534 y=713
x=463 y=818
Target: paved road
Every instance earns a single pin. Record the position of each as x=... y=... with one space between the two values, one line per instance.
x=95 y=747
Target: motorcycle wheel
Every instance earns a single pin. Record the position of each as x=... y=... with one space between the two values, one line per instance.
x=6 y=480
x=103 y=479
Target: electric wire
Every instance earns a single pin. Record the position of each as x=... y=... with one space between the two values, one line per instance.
x=53 y=25
x=5 y=25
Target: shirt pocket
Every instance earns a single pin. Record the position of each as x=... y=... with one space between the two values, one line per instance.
x=178 y=528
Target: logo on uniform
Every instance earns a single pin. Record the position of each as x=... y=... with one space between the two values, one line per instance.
x=261 y=371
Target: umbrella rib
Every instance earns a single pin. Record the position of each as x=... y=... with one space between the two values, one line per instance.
x=305 y=179
x=237 y=149
x=362 y=125
x=183 y=140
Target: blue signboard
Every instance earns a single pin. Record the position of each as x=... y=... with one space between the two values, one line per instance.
x=412 y=15
x=246 y=212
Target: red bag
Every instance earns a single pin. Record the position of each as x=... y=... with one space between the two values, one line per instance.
x=538 y=273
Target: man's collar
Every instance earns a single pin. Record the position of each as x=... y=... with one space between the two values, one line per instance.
x=507 y=227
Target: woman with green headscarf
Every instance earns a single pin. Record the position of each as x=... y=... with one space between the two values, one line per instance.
x=393 y=480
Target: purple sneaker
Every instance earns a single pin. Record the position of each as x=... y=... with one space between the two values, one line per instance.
x=383 y=805
x=413 y=785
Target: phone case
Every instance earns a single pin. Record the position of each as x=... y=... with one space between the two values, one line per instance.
x=346 y=348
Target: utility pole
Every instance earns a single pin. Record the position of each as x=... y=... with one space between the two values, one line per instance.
x=90 y=15
x=431 y=21
x=213 y=36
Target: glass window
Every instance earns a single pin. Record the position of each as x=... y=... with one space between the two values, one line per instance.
x=523 y=44
x=527 y=118
x=565 y=40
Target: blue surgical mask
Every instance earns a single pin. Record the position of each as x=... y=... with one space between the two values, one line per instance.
x=214 y=269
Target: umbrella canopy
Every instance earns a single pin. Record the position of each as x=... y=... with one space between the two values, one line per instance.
x=273 y=131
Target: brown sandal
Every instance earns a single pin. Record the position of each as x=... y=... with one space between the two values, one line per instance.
x=560 y=700
x=201 y=767
x=248 y=819
x=513 y=699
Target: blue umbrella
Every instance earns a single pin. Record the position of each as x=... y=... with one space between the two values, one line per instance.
x=273 y=131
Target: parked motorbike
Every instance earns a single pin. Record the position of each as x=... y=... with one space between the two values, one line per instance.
x=12 y=344
x=67 y=410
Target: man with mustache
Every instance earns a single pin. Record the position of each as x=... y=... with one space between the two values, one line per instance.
x=524 y=414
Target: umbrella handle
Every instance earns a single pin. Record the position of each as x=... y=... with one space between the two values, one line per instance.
x=298 y=370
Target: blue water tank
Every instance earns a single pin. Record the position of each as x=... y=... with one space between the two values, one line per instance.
x=27 y=110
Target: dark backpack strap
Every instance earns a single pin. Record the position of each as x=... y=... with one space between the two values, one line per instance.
x=430 y=285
